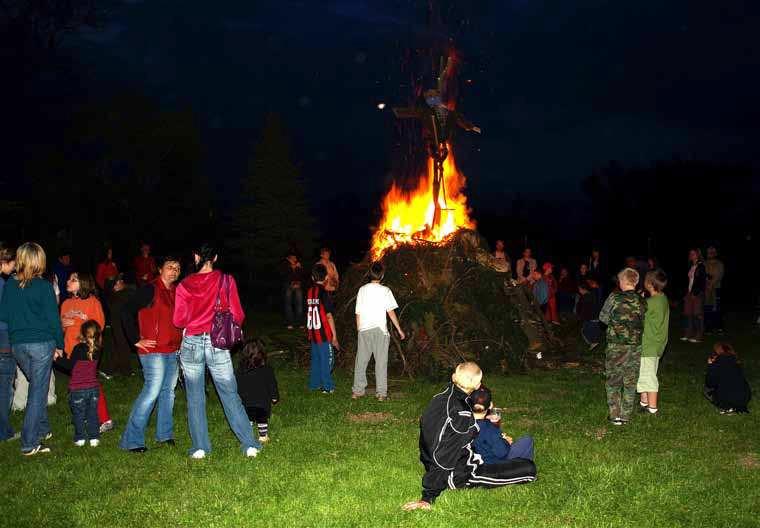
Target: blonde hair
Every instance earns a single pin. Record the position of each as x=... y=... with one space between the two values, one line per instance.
x=30 y=262
x=467 y=376
x=629 y=276
x=90 y=334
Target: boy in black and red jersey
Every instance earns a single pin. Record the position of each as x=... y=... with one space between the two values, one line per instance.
x=321 y=328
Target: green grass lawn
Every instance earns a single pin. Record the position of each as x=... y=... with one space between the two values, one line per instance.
x=332 y=464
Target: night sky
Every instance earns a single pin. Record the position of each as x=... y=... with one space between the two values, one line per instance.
x=558 y=87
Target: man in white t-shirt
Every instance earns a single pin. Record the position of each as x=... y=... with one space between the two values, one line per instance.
x=373 y=302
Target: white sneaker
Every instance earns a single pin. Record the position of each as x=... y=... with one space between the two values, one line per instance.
x=200 y=453
x=264 y=439
x=684 y=338
x=79 y=443
x=94 y=442
x=48 y=436
x=251 y=452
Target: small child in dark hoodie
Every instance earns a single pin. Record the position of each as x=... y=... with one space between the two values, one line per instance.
x=257 y=386
x=491 y=444
x=725 y=384
x=83 y=385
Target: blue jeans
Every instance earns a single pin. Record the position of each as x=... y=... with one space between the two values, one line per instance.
x=521 y=448
x=294 y=305
x=160 y=373
x=84 y=413
x=320 y=375
x=36 y=362
x=7 y=374
x=196 y=353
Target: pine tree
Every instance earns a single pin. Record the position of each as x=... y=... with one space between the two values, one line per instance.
x=274 y=217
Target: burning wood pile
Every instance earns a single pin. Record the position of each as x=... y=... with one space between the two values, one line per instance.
x=454 y=305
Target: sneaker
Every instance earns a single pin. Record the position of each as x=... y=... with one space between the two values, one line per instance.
x=264 y=439
x=694 y=340
x=200 y=453
x=592 y=346
x=615 y=421
x=169 y=442
x=94 y=442
x=643 y=408
x=79 y=443
x=36 y=450
x=104 y=375
x=290 y=327
x=684 y=338
x=251 y=452
x=356 y=395
x=382 y=398
x=141 y=449
x=106 y=426
x=623 y=421
x=14 y=436
x=325 y=391
x=728 y=411
x=651 y=411
x=47 y=436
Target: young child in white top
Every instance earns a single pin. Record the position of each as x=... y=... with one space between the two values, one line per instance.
x=373 y=302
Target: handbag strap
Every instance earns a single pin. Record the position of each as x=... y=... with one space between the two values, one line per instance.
x=218 y=304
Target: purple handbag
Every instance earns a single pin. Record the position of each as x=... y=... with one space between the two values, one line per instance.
x=225 y=332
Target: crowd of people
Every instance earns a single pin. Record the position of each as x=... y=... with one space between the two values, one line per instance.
x=184 y=329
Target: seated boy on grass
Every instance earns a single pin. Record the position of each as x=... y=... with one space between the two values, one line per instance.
x=491 y=444
x=447 y=430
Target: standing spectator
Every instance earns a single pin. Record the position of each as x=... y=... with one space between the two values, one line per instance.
x=693 y=304
x=567 y=290
x=117 y=296
x=526 y=266
x=28 y=307
x=374 y=305
x=194 y=309
x=587 y=310
x=82 y=305
x=106 y=269
x=623 y=313
x=550 y=313
x=62 y=270
x=583 y=275
x=145 y=266
x=83 y=385
x=654 y=339
x=333 y=279
x=715 y=270
x=502 y=258
x=320 y=325
x=147 y=323
x=293 y=276
x=597 y=267
x=7 y=361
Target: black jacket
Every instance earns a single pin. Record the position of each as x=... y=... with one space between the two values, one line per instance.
x=725 y=379
x=700 y=279
x=447 y=428
x=258 y=387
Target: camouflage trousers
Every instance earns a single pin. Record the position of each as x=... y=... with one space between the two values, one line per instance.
x=622 y=370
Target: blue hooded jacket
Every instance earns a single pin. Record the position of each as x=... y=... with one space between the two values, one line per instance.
x=489 y=444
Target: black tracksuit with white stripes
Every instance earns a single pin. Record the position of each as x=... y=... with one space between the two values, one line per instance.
x=447 y=429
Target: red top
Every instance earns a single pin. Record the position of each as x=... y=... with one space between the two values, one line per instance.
x=318 y=305
x=145 y=269
x=196 y=298
x=105 y=271
x=156 y=321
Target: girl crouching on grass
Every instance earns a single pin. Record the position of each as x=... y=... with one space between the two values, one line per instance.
x=257 y=386
x=725 y=384
x=83 y=386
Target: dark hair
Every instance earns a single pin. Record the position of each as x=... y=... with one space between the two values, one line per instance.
x=318 y=272
x=91 y=335
x=480 y=399
x=206 y=252
x=64 y=252
x=87 y=285
x=252 y=354
x=7 y=254
x=325 y=248
x=169 y=258
x=104 y=253
x=723 y=349
x=657 y=278
x=377 y=271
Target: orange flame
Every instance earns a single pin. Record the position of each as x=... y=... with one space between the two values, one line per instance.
x=408 y=215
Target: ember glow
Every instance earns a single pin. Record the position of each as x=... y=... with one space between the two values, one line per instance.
x=408 y=216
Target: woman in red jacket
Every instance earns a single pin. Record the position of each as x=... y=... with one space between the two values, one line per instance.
x=194 y=310
x=147 y=323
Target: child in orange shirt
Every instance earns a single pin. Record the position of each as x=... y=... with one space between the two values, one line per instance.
x=81 y=306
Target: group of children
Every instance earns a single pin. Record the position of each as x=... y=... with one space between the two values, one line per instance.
x=637 y=333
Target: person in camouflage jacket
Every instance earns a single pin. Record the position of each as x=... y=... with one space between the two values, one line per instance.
x=623 y=313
